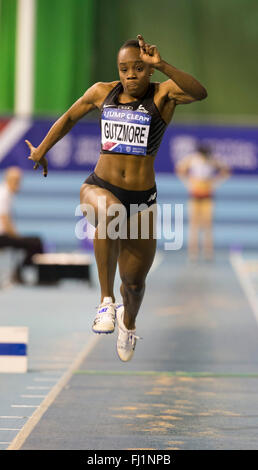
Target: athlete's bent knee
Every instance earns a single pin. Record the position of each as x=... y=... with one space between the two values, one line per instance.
x=136 y=289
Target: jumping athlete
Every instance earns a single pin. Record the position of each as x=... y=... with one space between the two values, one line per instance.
x=134 y=116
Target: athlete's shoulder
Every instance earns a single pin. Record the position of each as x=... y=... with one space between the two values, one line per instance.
x=105 y=85
x=173 y=92
x=98 y=91
x=187 y=160
x=161 y=85
x=156 y=86
x=162 y=88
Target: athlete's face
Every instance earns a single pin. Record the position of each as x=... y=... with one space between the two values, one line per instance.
x=134 y=73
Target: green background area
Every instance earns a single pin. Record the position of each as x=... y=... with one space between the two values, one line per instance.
x=64 y=51
x=7 y=54
x=77 y=42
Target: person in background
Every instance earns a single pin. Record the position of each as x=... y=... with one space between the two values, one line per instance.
x=201 y=173
x=9 y=237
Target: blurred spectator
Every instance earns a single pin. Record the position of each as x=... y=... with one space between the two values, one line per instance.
x=201 y=173
x=9 y=237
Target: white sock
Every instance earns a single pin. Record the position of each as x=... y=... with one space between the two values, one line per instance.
x=107 y=300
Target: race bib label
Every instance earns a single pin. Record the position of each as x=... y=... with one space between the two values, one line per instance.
x=125 y=131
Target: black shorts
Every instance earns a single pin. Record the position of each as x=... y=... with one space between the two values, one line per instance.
x=125 y=196
x=202 y=197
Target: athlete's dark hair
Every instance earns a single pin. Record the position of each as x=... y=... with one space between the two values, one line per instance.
x=205 y=150
x=130 y=43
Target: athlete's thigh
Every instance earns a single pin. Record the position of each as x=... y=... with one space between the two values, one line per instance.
x=96 y=201
x=136 y=254
x=194 y=211
x=207 y=212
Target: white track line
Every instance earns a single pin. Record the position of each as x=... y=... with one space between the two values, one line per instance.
x=39 y=379
x=10 y=429
x=239 y=266
x=33 y=396
x=37 y=388
x=12 y=417
x=38 y=413
x=24 y=406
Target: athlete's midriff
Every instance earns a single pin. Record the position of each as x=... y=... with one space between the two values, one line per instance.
x=132 y=172
x=200 y=187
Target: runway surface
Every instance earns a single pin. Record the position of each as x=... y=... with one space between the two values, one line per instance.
x=192 y=383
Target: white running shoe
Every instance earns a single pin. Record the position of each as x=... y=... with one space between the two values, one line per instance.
x=126 y=340
x=105 y=319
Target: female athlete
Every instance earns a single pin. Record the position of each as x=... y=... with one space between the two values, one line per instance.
x=134 y=116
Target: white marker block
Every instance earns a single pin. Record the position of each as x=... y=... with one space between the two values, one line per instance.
x=14 y=349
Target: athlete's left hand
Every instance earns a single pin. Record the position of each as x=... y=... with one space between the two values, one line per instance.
x=148 y=53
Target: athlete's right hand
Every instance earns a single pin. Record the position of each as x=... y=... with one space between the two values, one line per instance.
x=35 y=158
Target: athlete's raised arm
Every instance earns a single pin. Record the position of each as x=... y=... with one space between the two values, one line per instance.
x=181 y=86
x=91 y=99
